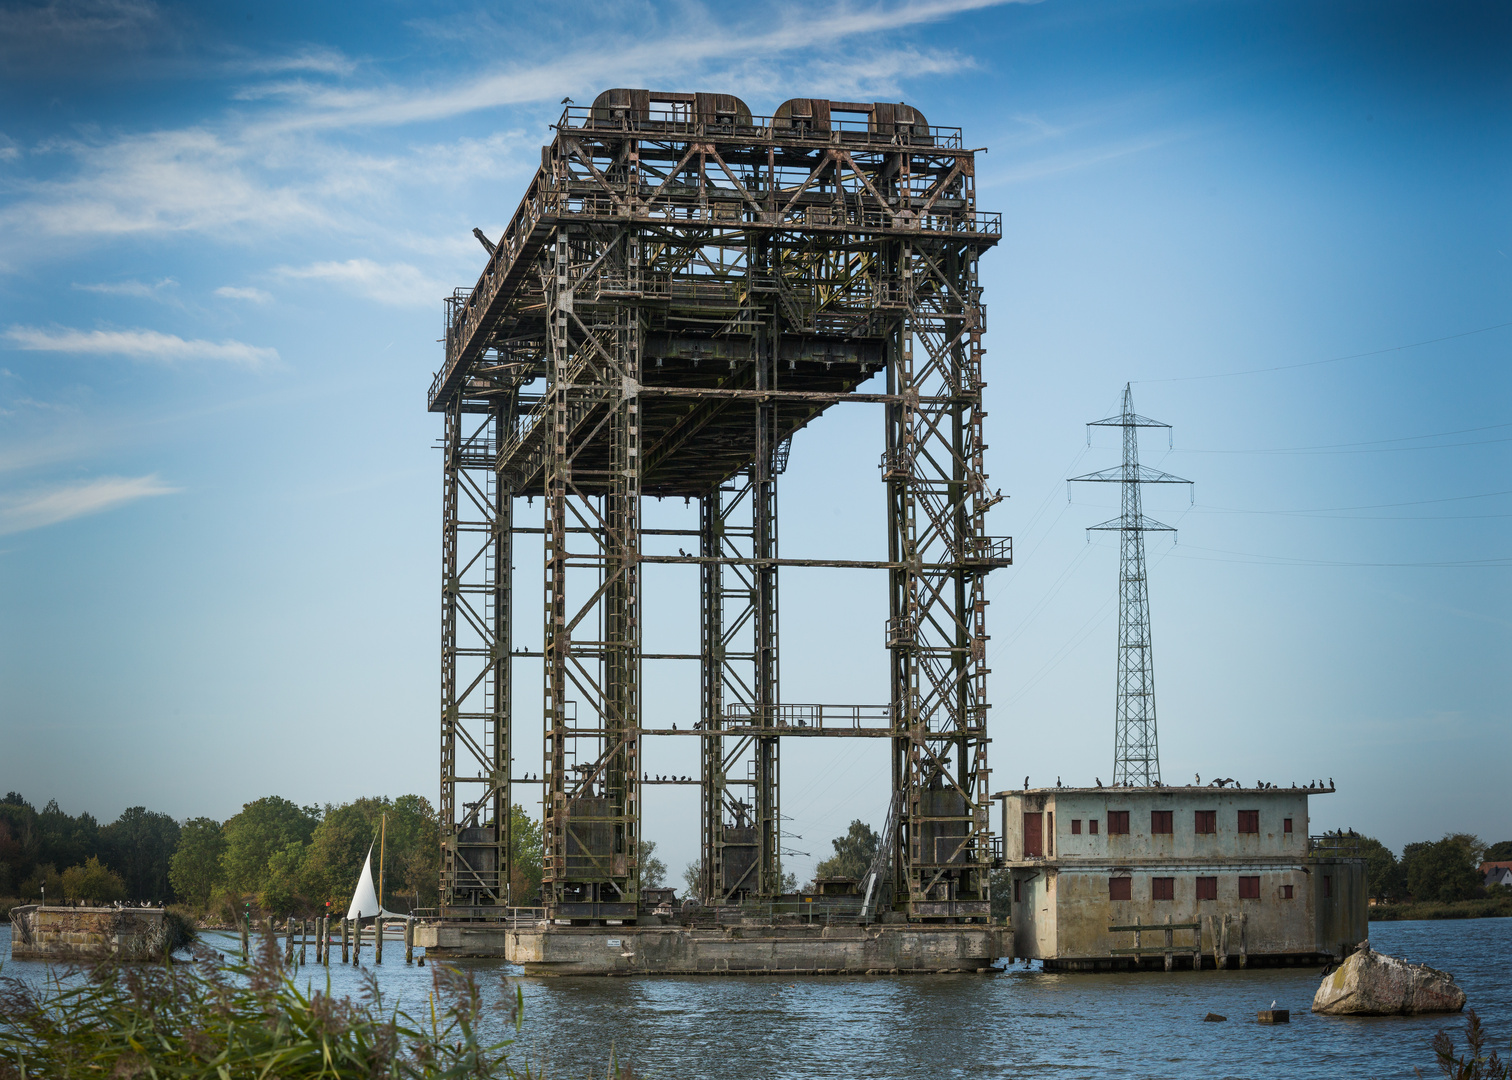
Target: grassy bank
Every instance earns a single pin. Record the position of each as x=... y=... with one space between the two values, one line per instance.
x=1460 y=909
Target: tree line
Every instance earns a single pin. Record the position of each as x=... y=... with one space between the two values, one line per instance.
x=284 y=858
x=1441 y=871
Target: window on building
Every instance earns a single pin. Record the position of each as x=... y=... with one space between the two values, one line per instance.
x=1163 y=888
x=1206 y=821
x=1160 y=821
x=1207 y=888
x=1286 y=824
x=1327 y=886
x=1034 y=836
x=1092 y=826
x=1249 y=887
x=1120 y=888
x=1249 y=821
x=1050 y=833
x=1076 y=826
x=1286 y=892
x=1118 y=822
x=1018 y=891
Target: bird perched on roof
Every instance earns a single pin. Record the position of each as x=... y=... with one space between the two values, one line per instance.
x=1026 y=783
x=1196 y=778
x=1057 y=782
x=1330 y=781
x=1099 y=780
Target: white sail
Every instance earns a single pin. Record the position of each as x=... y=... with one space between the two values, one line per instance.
x=365 y=900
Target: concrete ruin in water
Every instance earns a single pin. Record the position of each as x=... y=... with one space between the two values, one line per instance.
x=1167 y=877
x=89 y=933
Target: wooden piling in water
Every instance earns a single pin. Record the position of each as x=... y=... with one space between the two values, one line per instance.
x=409 y=941
x=244 y=924
x=378 y=939
x=289 y=940
x=304 y=935
x=345 y=954
x=1243 y=943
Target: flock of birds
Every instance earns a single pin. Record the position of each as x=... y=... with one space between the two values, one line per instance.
x=1260 y=785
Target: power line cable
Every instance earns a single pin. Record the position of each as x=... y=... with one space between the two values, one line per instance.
x=1332 y=359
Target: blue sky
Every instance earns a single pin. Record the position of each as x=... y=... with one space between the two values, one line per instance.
x=225 y=232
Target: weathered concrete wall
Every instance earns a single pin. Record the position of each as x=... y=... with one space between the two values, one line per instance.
x=1340 y=900
x=69 y=933
x=1086 y=805
x=851 y=950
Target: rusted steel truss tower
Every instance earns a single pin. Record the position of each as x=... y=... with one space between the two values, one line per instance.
x=1136 y=748
x=683 y=286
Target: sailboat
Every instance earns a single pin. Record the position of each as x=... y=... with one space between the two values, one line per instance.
x=367 y=901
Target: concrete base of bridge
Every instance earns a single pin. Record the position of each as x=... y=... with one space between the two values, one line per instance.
x=886 y=949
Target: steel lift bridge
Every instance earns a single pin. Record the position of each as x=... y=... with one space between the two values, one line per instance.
x=684 y=286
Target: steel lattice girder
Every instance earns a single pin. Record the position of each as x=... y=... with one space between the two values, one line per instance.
x=665 y=310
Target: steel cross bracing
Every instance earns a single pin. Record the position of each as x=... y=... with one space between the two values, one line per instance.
x=1136 y=748
x=683 y=287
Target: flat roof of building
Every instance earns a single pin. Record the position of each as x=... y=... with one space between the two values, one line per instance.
x=1206 y=789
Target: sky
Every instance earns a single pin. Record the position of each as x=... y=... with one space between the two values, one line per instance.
x=225 y=233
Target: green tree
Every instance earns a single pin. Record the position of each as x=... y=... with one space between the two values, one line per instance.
x=93 y=881
x=853 y=853
x=693 y=878
x=139 y=845
x=410 y=856
x=195 y=869
x=63 y=840
x=263 y=827
x=281 y=894
x=413 y=868
x=1384 y=879
x=45 y=883
x=1501 y=851
x=1444 y=870
x=1000 y=885
x=527 y=850
x=653 y=872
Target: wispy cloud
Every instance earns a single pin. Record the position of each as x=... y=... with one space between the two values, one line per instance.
x=146 y=290
x=63 y=35
x=149 y=346
x=36 y=509
x=321 y=61
x=243 y=292
x=399 y=284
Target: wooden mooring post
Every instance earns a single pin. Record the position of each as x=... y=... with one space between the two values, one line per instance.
x=357 y=941
x=304 y=934
x=1170 y=943
x=378 y=939
x=244 y=924
x=345 y=948
x=289 y=940
x=409 y=941
x=1243 y=943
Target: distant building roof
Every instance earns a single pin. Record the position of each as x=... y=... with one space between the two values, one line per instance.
x=1171 y=789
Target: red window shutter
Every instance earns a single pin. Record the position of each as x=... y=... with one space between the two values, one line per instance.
x=1249 y=821
x=1163 y=888
x=1118 y=822
x=1286 y=892
x=1160 y=821
x=1249 y=888
x=1327 y=886
x=1207 y=888
x=1092 y=826
x=1206 y=821
x=1018 y=891
x=1076 y=826
x=1120 y=888
x=1034 y=836
x=1286 y=825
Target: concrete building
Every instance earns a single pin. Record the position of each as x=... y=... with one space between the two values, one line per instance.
x=1497 y=873
x=1231 y=870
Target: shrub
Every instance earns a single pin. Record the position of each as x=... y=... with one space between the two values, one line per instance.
x=93 y=881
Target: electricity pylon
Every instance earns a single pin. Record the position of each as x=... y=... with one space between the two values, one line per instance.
x=1136 y=751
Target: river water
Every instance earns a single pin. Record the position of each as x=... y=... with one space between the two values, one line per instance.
x=1019 y=1023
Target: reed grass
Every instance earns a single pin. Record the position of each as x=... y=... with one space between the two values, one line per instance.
x=229 y=1021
